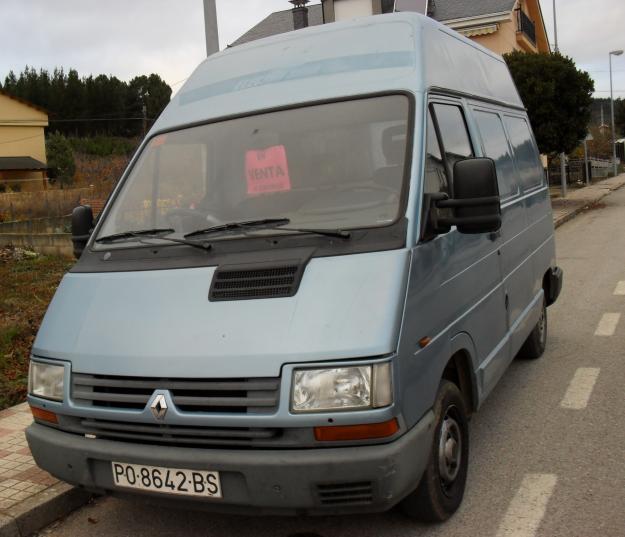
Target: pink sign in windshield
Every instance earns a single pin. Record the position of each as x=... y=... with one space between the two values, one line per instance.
x=267 y=170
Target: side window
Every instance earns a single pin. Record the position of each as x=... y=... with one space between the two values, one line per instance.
x=435 y=178
x=525 y=154
x=454 y=135
x=496 y=147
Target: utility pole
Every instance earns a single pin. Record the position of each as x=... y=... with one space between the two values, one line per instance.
x=555 y=27
x=210 y=24
x=562 y=155
x=613 y=53
x=144 y=110
x=588 y=173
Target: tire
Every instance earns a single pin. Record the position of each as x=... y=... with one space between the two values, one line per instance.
x=441 y=489
x=536 y=343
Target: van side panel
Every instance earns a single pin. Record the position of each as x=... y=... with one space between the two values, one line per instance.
x=513 y=241
x=454 y=287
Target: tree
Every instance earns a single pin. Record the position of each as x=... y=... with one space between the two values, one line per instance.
x=94 y=105
x=558 y=98
x=60 y=158
x=151 y=91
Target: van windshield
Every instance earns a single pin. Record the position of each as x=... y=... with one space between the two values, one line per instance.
x=331 y=166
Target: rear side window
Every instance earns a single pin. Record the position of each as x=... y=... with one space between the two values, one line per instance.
x=527 y=159
x=496 y=147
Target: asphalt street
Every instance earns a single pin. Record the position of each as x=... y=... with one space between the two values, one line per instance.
x=548 y=446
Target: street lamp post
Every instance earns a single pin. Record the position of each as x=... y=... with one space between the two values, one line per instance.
x=555 y=27
x=613 y=53
x=211 y=29
x=556 y=49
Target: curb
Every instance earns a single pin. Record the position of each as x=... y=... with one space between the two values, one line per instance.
x=42 y=509
x=585 y=206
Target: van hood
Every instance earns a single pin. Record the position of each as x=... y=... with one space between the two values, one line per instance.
x=161 y=323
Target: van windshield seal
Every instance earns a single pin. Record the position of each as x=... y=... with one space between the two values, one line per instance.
x=327 y=168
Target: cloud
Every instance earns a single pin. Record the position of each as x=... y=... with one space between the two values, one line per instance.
x=124 y=38
x=131 y=37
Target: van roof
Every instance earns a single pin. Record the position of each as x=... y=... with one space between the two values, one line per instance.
x=384 y=53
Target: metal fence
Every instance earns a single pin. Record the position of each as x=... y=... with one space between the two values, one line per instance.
x=575 y=172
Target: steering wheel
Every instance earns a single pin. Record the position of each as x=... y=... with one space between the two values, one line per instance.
x=191 y=213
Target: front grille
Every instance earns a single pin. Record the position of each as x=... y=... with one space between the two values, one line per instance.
x=346 y=493
x=191 y=436
x=252 y=396
x=236 y=283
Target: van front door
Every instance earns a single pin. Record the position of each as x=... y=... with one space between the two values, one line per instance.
x=455 y=281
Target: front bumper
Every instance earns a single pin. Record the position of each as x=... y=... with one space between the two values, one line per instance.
x=259 y=481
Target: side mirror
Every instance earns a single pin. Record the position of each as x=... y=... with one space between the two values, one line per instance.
x=476 y=205
x=82 y=225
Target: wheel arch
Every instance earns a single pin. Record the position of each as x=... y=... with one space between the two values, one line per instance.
x=461 y=370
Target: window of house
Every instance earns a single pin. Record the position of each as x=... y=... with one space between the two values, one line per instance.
x=496 y=147
x=525 y=153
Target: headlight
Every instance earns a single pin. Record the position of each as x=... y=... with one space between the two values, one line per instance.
x=46 y=381
x=344 y=388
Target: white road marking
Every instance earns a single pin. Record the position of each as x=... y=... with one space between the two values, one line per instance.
x=620 y=289
x=528 y=507
x=580 y=389
x=607 y=324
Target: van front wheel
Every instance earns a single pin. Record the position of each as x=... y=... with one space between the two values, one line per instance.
x=441 y=488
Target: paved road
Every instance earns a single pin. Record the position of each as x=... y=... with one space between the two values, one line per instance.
x=548 y=447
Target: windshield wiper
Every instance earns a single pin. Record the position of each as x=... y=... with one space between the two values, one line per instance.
x=339 y=233
x=157 y=233
x=133 y=234
x=269 y=222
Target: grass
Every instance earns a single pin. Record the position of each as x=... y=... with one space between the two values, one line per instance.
x=26 y=288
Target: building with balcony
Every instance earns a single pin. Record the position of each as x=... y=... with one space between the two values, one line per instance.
x=500 y=25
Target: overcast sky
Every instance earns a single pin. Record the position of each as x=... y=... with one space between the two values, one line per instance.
x=131 y=37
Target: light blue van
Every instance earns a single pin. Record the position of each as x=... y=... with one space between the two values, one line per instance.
x=319 y=263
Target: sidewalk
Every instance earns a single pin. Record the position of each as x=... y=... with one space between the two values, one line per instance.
x=30 y=499
x=583 y=198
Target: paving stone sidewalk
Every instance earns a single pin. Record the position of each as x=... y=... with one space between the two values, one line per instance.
x=31 y=499
x=19 y=476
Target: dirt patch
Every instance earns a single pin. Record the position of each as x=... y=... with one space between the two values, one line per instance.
x=596 y=207
x=28 y=282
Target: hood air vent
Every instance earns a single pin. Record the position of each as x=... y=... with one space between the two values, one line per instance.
x=247 y=282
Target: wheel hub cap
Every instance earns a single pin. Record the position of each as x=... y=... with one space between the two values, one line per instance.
x=449 y=449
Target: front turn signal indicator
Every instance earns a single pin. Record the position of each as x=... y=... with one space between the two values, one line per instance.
x=368 y=431
x=44 y=415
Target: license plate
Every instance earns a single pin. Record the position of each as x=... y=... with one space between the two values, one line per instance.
x=167 y=480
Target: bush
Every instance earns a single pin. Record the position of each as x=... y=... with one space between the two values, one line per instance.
x=60 y=158
x=104 y=146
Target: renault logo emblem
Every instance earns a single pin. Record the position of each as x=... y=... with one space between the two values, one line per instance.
x=159 y=407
